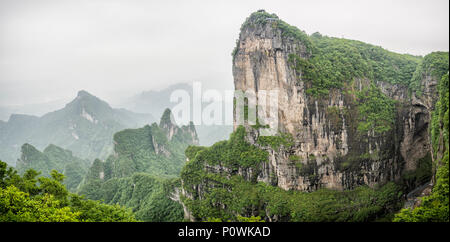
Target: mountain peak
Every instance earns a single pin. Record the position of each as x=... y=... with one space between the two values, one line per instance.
x=85 y=98
x=83 y=93
x=168 y=124
x=166 y=118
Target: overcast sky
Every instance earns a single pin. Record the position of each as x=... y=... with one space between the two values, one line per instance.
x=50 y=49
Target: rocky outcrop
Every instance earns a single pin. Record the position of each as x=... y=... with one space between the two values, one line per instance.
x=168 y=124
x=155 y=149
x=332 y=153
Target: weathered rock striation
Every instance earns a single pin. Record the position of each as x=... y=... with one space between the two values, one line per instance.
x=326 y=141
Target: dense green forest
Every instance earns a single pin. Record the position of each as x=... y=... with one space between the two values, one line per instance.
x=148 y=196
x=30 y=198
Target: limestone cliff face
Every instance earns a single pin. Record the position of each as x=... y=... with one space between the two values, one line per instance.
x=325 y=129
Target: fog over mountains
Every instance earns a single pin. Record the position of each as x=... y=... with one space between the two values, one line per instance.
x=86 y=124
x=155 y=102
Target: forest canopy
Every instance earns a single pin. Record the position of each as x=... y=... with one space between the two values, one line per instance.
x=33 y=198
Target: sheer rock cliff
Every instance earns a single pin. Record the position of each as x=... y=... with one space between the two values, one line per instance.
x=324 y=129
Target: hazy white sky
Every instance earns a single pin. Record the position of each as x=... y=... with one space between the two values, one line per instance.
x=50 y=49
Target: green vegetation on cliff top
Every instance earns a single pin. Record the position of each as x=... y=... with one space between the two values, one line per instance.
x=336 y=61
x=434 y=65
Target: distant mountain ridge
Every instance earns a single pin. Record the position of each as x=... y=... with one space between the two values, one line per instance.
x=85 y=126
x=35 y=109
x=155 y=102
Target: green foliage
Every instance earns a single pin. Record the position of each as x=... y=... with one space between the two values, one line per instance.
x=440 y=115
x=234 y=198
x=295 y=158
x=95 y=211
x=42 y=199
x=53 y=157
x=261 y=17
x=347 y=59
x=17 y=206
x=376 y=111
x=149 y=150
x=434 y=65
x=234 y=153
x=290 y=31
x=148 y=196
x=192 y=150
x=282 y=139
x=251 y=219
x=337 y=61
x=353 y=160
x=54 y=186
x=230 y=197
x=315 y=75
x=435 y=207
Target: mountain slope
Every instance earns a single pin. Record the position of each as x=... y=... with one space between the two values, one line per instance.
x=53 y=158
x=85 y=126
x=143 y=170
x=153 y=149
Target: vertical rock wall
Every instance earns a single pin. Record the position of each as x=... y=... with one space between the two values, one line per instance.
x=325 y=129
